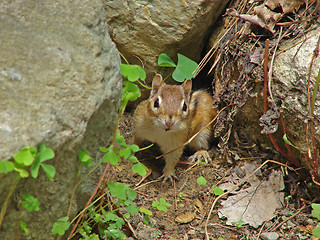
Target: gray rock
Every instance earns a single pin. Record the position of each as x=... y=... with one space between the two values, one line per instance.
x=145 y=232
x=290 y=82
x=269 y=236
x=144 y=29
x=60 y=83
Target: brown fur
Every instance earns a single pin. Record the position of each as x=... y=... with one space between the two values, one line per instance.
x=170 y=126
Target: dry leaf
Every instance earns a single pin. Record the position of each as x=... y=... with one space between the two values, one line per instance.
x=185 y=217
x=198 y=204
x=257 y=56
x=287 y=6
x=269 y=17
x=247 y=17
x=257 y=202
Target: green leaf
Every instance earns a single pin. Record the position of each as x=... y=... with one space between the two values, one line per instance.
x=118 y=190
x=161 y=205
x=110 y=216
x=132 y=72
x=120 y=222
x=111 y=157
x=163 y=202
x=201 y=181
x=34 y=169
x=23 y=227
x=134 y=148
x=120 y=139
x=316 y=231
x=104 y=150
x=130 y=92
x=217 y=191
x=140 y=169
x=125 y=152
x=145 y=220
x=132 y=194
x=238 y=224
x=6 y=166
x=24 y=157
x=155 y=204
x=45 y=153
x=132 y=209
x=145 y=211
x=133 y=159
x=85 y=158
x=30 y=203
x=184 y=69
x=315 y=210
x=165 y=61
x=61 y=226
x=288 y=142
x=23 y=173
x=142 y=72
x=49 y=170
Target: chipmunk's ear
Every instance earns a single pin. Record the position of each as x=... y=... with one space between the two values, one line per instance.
x=156 y=83
x=187 y=85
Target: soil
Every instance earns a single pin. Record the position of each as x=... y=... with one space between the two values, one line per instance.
x=292 y=221
x=239 y=142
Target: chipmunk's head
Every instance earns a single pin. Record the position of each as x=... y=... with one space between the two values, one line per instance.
x=169 y=104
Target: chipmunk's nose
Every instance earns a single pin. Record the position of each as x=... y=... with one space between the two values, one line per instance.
x=169 y=122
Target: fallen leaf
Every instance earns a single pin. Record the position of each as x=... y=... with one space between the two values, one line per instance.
x=185 y=217
x=288 y=6
x=198 y=204
x=247 y=17
x=256 y=201
x=269 y=17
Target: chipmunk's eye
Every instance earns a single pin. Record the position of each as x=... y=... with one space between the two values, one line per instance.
x=156 y=103
x=184 y=107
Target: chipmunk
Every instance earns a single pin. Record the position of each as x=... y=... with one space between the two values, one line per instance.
x=172 y=115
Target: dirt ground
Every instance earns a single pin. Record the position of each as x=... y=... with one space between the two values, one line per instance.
x=292 y=221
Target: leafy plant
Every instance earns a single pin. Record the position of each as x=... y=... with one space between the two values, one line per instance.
x=179 y=197
x=316 y=213
x=146 y=213
x=28 y=158
x=217 y=191
x=161 y=205
x=285 y=138
x=114 y=156
x=61 y=226
x=184 y=69
x=24 y=227
x=201 y=181
x=30 y=203
x=85 y=158
x=111 y=221
x=238 y=224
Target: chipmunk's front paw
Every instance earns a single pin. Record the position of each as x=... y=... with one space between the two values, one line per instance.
x=201 y=154
x=166 y=178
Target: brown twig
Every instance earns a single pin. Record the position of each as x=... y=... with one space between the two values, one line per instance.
x=287 y=219
x=265 y=102
x=89 y=201
x=266 y=75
